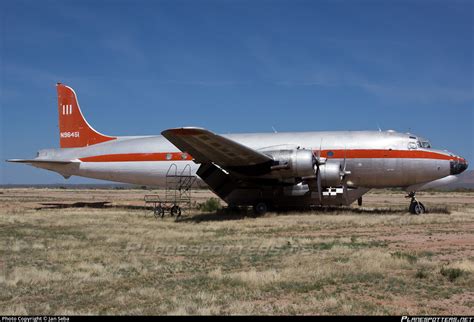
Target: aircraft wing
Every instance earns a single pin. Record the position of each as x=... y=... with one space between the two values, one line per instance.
x=207 y=147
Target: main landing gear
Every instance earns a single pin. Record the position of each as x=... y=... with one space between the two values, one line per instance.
x=416 y=207
x=260 y=208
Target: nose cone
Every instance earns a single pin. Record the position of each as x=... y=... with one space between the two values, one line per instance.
x=457 y=166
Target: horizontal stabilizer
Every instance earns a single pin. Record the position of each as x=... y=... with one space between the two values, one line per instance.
x=66 y=168
x=33 y=161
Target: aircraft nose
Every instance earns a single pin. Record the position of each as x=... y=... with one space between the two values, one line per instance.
x=457 y=166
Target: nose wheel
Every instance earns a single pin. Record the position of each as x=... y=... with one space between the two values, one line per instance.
x=416 y=207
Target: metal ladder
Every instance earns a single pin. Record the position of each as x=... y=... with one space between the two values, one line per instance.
x=179 y=187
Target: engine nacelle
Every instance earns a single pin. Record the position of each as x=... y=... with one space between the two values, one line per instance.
x=330 y=174
x=294 y=163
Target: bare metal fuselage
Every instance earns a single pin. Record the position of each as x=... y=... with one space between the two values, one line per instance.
x=375 y=159
x=259 y=169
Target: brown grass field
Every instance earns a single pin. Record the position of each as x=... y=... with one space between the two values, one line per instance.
x=377 y=259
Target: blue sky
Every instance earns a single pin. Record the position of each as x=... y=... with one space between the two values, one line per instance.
x=139 y=67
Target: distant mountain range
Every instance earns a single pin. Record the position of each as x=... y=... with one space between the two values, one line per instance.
x=466 y=181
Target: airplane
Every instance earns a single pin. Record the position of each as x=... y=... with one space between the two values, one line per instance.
x=262 y=170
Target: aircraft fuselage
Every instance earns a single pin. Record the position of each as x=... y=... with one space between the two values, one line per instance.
x=375 y=159
x=298 y=168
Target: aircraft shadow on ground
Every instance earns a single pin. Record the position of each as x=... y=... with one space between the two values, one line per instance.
x=226 y=214
x=223 y=215
x=96 y=205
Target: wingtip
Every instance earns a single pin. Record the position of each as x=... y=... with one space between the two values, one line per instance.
x=185 y=131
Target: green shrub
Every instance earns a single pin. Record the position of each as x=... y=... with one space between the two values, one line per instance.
x=421 y=273
x=210 y=205
x=409 y=257
x=451 y=273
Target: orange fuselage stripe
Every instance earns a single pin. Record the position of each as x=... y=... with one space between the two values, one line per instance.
x=386 y=154
x=133 y=157
x=337 y=154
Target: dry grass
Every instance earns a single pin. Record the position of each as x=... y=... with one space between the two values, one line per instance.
x=117 y=261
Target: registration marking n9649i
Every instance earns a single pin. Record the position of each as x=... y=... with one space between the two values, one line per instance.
x=67 y=135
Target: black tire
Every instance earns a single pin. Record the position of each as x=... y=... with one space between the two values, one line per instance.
x=158 y=212
x=260 y=208
x=419 y=208
x=176 y=211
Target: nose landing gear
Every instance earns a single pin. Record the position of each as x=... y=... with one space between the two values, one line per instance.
x=416 y=207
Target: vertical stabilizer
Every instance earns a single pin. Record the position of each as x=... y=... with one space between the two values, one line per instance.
x=74 y=131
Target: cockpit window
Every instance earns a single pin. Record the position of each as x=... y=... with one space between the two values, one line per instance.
x=412 y=145
x=424 y=144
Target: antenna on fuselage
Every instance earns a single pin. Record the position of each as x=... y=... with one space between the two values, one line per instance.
x=274 y=131
x=378 y=126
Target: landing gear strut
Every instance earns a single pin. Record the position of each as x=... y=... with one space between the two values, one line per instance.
x=416 y=207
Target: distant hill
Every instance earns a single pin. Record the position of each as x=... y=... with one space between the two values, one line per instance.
x=466 y=181
x=72 y=186
x=107 y=186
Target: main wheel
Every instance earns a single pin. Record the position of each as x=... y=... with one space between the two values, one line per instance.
x=260 y=208
x=159 y=212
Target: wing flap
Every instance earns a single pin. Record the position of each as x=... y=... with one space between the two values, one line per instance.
x=206 y=147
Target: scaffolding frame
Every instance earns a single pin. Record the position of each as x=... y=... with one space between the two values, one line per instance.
x=179 y=186
x=178 y=193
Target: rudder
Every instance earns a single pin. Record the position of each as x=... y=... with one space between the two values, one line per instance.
x=74 y=131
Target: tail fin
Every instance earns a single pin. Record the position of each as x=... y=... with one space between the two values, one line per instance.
x=74 y=131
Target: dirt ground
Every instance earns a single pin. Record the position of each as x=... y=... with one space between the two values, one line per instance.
x=374 y=259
